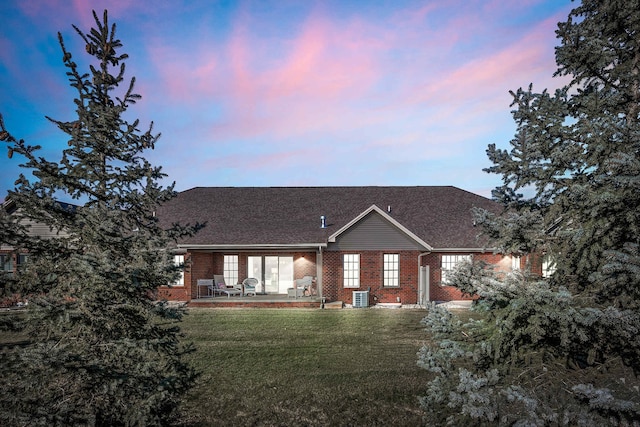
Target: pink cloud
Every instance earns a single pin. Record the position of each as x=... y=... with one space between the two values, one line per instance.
x=300 y=66
x=243 y=84
x=488 y=78
x=334 y=79
x=181 y=79
x=322 y=62
x=309 y=88
x=532 y=53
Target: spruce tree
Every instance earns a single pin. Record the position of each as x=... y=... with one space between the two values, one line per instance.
x=563 y=349
x=101 y=350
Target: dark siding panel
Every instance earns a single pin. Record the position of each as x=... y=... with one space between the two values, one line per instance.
x=373 y=232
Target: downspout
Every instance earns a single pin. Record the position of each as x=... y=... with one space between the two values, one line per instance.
x=319 y=268
x=427 y=296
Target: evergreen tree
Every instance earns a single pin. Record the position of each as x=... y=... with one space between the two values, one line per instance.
x=564 y=349
x=101 y=350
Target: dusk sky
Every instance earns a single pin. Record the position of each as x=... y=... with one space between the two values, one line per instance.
x=294 y=93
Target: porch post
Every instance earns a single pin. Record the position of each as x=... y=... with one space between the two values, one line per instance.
x=423 y=281
x=423 y=285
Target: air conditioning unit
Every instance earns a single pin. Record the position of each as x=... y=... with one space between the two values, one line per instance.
x=360 y=299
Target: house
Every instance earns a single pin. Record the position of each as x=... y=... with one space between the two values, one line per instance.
x=397 y=243
x=12 y=260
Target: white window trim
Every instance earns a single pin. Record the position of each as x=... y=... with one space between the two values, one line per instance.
x=391 y=270
x=548 y=266
x=230 y=269
x=178 y=260
x=515 y=263
x=351 y=270
x=447 y=264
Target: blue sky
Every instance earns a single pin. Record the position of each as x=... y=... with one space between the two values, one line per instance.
x=294 y=93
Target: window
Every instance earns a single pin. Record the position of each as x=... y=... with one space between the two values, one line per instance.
x=230 y=269
x=351 y=270
x=391 y=276
x=178 y=260
x=548 y=266
x=22 y=260
x=515 y=262
x=6 y=264
x=449 y=262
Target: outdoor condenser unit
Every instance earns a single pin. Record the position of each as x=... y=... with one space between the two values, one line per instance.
x=360 y=299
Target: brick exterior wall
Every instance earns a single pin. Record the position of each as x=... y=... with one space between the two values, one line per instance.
x=304 y=264
x=331 y=275
x=371 y=277
x=197 y=266
x=534 y=263
x=203 y=265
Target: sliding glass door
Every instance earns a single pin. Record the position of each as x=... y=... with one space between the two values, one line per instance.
x=274 y=272
x=271 y=275
x=285 y=274
x=254 y=269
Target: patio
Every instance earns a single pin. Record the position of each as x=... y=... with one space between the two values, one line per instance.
x=259 y=300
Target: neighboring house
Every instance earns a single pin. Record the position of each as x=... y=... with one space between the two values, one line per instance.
x=397 y=242
x=8 y=257
x=12 y=260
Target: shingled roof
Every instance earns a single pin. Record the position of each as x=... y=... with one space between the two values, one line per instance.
x=290 y=216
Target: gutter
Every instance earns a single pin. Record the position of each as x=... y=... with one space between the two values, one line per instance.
x=482 y=250
x=267 y=246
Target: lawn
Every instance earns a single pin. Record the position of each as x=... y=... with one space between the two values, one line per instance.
x=288 y=367
x=302 y=367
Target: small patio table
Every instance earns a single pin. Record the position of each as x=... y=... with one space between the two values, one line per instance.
x=205 y=282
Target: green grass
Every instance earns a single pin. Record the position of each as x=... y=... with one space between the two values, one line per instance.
x=301 y=367
x=267 y=367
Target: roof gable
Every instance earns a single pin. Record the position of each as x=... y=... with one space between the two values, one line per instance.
x=374 y=209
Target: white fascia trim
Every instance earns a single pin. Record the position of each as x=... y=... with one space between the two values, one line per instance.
x=483 y=250
x=386 y=216
x=255 y=246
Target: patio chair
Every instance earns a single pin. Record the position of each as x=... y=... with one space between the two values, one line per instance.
x=301 y=287
x=305 y=284
x=220 y=287
x=249 y=285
